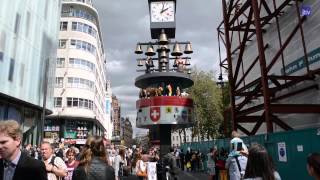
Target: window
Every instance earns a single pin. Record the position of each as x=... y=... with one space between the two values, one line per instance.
x=63 y=26
x=83 y=46
x=17 y=23
x=27 y=23
x=60 y=62
x=1 y=56
x=58 y=102
x=172 y=138
x=75 y=102
x=75 y=82
x=74 y=26
x=69 y=102
x=79 y=103
x=59 y=82
x=86 y=103
x=2 y=44
x=21 y=74
x=62 y=43
x=11 y=70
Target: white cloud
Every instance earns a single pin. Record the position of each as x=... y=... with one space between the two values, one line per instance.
x=126 y=22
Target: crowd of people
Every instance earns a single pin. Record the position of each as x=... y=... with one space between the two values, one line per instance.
x=250 y=164
x=97 y=160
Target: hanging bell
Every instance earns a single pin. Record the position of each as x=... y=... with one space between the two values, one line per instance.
x=140 y=63
x=176 y=50
x=138 y=49
x=189 y=71
x=188 y=49
x=150 y=51
x=163 y=38
x=163 y=54
x=163 y=68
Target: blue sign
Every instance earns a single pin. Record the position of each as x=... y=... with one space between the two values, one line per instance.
x=305 y=10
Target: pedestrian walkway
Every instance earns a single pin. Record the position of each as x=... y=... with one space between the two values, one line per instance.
x=183 y=175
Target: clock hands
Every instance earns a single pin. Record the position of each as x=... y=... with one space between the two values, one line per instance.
x=163 y=10
x=162 y=6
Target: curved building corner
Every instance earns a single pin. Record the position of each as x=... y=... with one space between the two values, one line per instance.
x=82 y=91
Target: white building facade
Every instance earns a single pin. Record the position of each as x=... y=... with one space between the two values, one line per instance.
x=82 y=91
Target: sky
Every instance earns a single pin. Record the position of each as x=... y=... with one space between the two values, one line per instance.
x=123 y=23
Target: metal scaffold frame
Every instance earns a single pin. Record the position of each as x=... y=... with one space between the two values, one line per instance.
x=245 y=20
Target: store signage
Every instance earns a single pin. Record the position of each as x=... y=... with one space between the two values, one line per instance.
x=313 y=57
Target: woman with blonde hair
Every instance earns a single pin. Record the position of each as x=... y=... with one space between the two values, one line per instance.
x=141 y=167
x=71 y=163
x=93 y=162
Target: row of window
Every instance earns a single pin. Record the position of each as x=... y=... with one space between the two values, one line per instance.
x=78 y=26
x=74 y=102
x=74 y=82
x=76 y=63
x=77 y=44
x=79 y=13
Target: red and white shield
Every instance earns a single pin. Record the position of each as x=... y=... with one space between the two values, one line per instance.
x=155 y=113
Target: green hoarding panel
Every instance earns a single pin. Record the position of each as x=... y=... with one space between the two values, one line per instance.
x=288 y=150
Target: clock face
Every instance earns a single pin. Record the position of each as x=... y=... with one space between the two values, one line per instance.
x=162 y=11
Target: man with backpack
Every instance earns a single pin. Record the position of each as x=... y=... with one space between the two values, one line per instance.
x=55 y=166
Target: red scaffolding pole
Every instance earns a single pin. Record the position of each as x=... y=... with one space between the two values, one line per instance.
x=249 y=19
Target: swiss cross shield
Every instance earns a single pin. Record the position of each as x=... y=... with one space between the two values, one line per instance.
x=155 y=114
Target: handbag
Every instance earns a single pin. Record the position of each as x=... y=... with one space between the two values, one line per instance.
x=188 y=164
x=140 y=172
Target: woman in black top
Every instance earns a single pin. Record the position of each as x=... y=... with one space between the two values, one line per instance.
x=93 y=162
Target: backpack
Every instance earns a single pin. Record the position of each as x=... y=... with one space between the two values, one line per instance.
x=52 y=162
x=59 y=153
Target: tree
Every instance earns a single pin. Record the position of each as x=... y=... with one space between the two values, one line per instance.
x=208 y=105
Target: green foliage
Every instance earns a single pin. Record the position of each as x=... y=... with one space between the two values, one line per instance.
x=208 y=105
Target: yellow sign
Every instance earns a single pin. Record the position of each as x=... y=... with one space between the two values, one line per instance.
x=168 y=109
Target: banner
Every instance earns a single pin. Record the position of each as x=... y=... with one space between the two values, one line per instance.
x=152 y=170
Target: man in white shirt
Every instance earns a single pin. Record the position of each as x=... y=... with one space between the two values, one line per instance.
x=55 y=166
